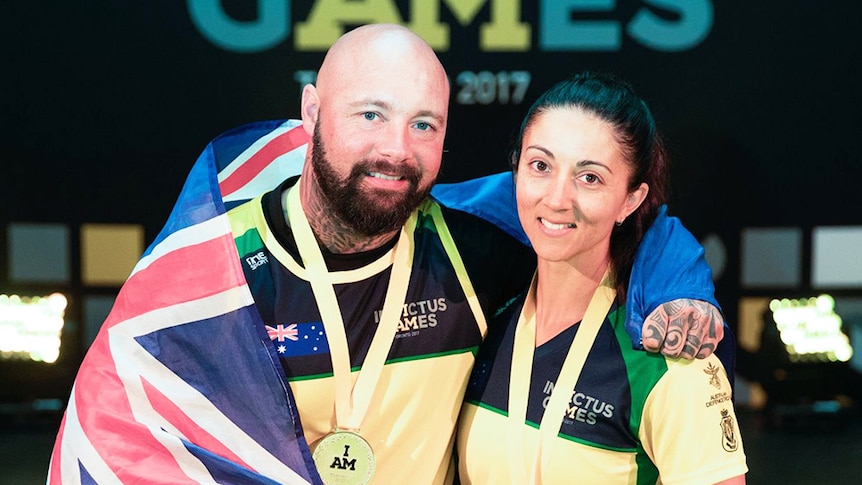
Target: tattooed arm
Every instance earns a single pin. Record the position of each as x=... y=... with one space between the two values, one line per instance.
x=670 y=303
x=683 y=328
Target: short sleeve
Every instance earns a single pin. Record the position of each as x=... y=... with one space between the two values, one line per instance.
x=689 y=427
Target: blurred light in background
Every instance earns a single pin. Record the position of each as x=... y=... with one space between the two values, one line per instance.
x=811 y=330
x=31 y=327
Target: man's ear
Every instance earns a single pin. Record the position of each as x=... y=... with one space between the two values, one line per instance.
x=309 y=108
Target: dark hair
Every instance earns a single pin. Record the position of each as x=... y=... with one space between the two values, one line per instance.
x=615 y=102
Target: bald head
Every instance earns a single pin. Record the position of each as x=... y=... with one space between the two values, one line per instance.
x=386 y=63
x=379 y=47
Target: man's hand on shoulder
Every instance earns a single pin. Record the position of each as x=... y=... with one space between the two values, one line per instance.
x=683 y=328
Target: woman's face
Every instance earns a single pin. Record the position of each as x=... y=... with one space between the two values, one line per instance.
x=572 y=185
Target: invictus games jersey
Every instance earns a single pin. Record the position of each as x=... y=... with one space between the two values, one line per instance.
x=633 y=417
x=411 y=420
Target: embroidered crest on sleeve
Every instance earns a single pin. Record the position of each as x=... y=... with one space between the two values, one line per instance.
x=712 y=370
x=728 y=435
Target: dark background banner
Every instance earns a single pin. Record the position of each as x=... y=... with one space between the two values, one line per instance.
x=106 y=104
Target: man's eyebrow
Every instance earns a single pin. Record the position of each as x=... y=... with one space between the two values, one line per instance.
x=440 y=119
x=371 y=102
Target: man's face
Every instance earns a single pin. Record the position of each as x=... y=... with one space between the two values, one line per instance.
x=369 y=210
x=378 y=136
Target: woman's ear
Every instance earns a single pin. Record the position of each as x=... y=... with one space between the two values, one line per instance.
x=634 y=200
x=309 y=108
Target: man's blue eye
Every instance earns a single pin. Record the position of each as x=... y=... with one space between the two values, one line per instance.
x=370 y=116
x=423 y=126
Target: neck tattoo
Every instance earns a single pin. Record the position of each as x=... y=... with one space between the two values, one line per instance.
x=332 y=232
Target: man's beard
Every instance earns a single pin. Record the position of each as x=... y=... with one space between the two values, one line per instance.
x=368 y=212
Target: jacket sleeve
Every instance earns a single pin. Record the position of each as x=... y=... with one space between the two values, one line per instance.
x=669 y=265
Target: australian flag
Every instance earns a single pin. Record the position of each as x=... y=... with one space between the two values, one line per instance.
x=298 y=339
x=182 y=384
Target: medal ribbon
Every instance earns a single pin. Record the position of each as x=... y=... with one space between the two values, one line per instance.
x=351 y=401
x=519 y=384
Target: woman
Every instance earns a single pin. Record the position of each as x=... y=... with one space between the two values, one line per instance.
x=557 y=394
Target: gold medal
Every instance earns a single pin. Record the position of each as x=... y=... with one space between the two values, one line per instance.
x=344 y=457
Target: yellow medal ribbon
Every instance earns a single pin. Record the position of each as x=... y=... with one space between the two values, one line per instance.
x=351 y=401
x=519 y=384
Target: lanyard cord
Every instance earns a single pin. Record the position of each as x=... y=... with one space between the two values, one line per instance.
x=519 y=384
x=351 y=400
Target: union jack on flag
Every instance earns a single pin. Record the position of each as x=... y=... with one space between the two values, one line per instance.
x=157 y=399
x=280 y=332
